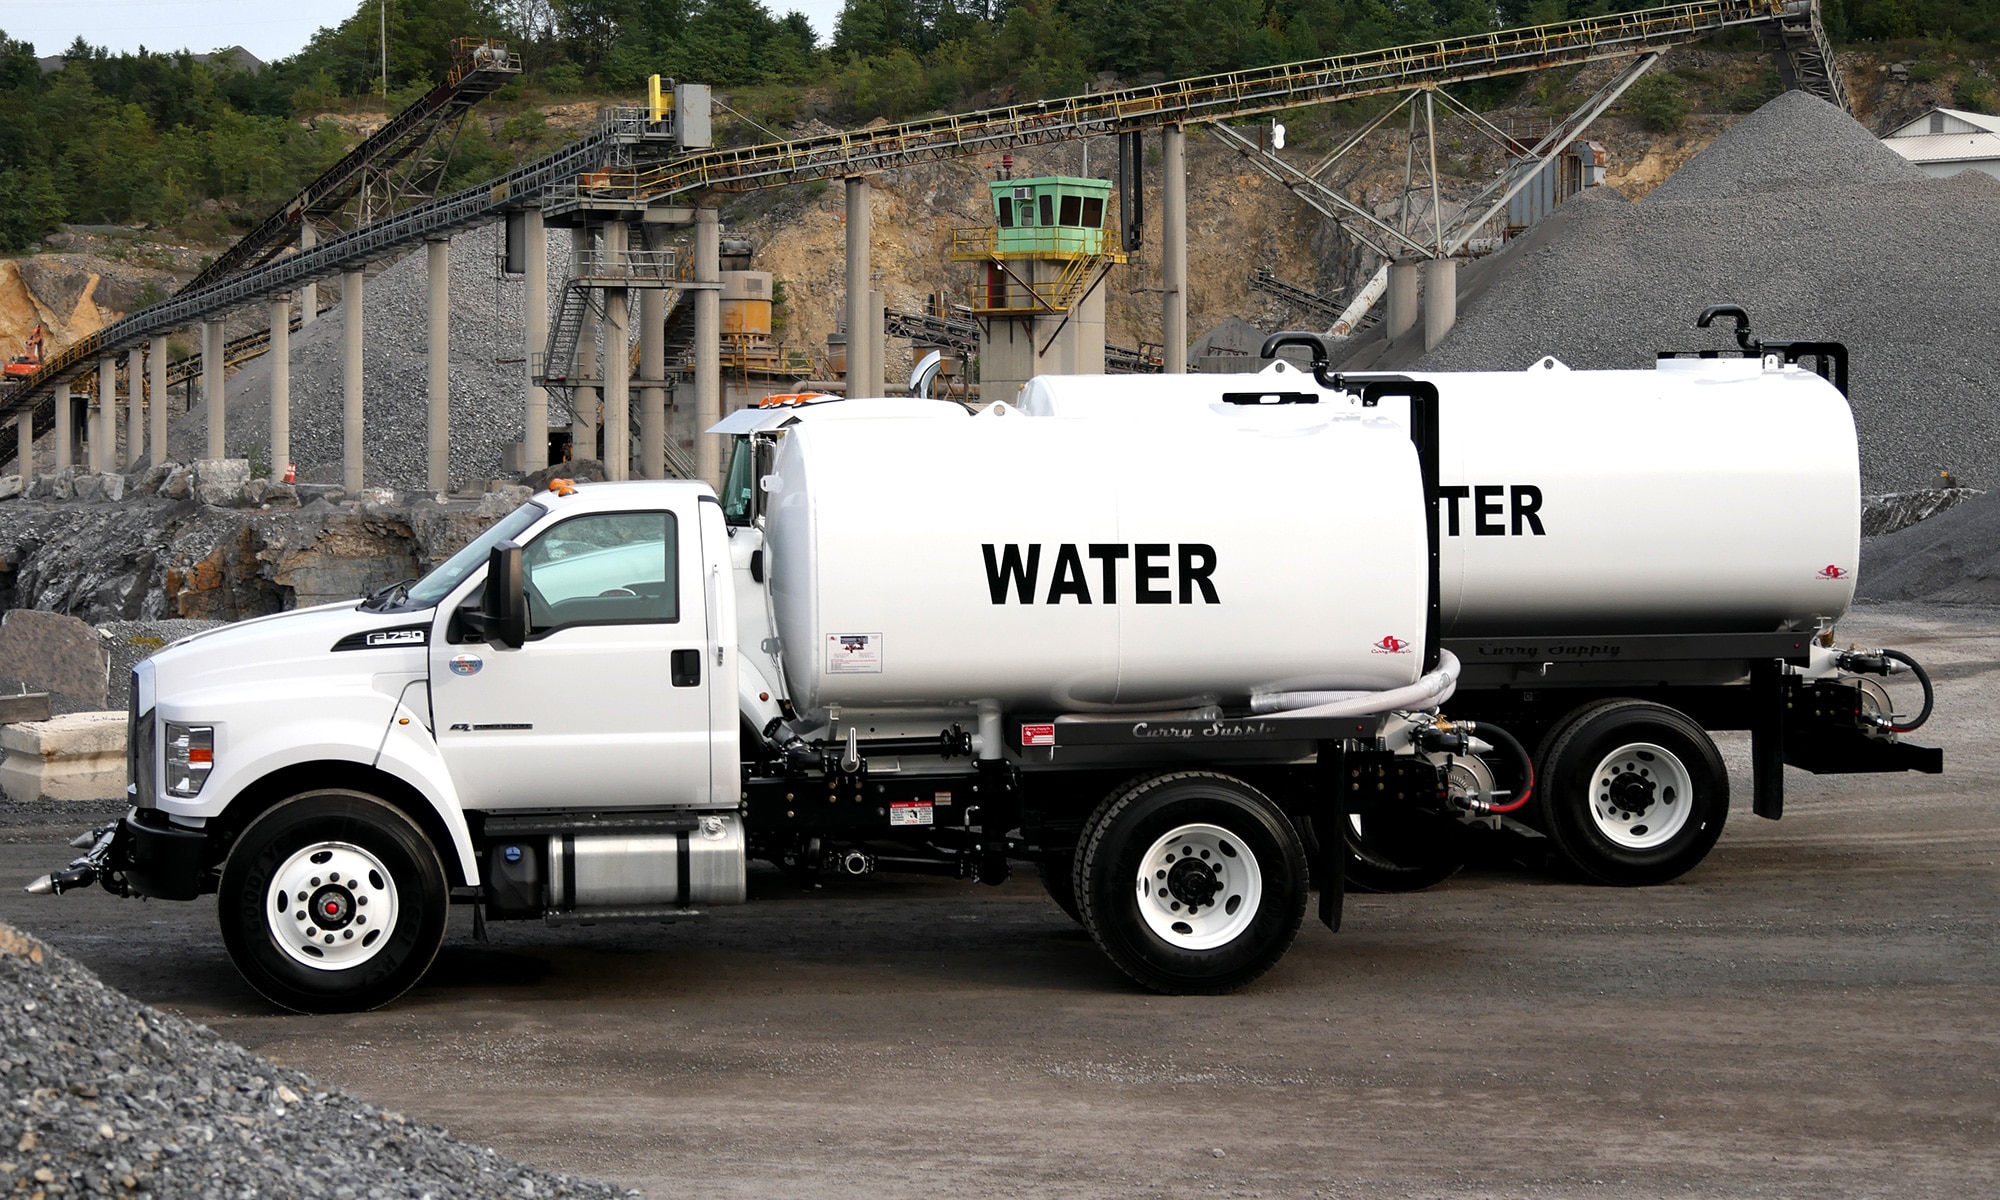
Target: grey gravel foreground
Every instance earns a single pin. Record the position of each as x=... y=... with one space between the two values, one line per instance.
x=104 y=1096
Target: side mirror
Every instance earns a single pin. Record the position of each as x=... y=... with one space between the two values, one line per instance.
x=503 y=610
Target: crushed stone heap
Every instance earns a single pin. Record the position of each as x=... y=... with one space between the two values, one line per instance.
x=1951 y=558
x=1800 y=215
x=487 y=376
x=105 y=1096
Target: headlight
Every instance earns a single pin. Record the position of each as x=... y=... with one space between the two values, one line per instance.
x=190 y=757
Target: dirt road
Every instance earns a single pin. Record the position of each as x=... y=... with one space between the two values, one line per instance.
x=1813 y=1012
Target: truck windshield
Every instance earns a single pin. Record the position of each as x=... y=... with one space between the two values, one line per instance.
x=434 y=587
x=736 y=490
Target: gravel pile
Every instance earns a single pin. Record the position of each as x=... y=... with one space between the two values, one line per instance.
x=486 y=375
x=1951 y=558
x=105 y=1096
x=1800 y=215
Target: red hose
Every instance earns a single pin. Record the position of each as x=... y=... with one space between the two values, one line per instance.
x=1501 y=737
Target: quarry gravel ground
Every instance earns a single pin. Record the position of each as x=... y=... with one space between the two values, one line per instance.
x=1811 y=1013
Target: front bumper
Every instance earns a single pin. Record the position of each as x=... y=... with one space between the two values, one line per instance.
x=160 y=859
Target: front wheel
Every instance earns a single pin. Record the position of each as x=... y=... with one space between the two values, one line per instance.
x=1634 y=793
x=333 y=901
x=1194 y=883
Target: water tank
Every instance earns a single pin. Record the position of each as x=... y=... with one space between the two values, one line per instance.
x=1707 y=495
x=1072 y=565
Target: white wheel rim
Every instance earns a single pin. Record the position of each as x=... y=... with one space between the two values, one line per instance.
x=1199 y=887
x=1641 y=796
x=331 y=906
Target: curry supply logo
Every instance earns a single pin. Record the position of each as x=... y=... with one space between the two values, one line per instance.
x=1831 y=572
x=1390 y=645
x=854 y=654
x=466 y=664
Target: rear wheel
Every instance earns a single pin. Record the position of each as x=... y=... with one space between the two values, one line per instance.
x=333 y=901
x=1194 y=883
x=1634 y=793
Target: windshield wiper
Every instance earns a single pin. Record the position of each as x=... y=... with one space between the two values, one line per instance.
x=383 y=598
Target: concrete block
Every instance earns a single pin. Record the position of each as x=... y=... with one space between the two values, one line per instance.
x=111 y=487
x=79 y=756
x=54 y=651
x=10 y=486
x=86 y=487
x=220 y=481
x=501 y=501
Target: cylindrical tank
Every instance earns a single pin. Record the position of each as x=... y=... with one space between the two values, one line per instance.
x=1071 y=565
x=746 y=302
x=1707 y=495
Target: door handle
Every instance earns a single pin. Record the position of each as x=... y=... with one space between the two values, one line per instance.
x=686 y=668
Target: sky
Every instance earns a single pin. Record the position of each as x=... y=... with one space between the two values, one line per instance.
x=269 y=29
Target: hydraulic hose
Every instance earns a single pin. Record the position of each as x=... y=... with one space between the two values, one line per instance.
x=1924 y=678
x=1508 y=742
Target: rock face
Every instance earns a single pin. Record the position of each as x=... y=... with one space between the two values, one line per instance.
x=153 y=557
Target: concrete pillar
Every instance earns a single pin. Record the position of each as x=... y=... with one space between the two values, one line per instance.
x=104 y=430
x=24 y=447
x=1402 y=314
x=281 y=387
x=309 y=294
x=617 y=361
x=135 y=406
x=859 y=339
x=156 y=378
x=439 y=261
x=351 y=320
x=878 y=342
x=65 y=428
x=535 y=318
x=213 y=339
x=583 y=432
x=1440 y=299
x=708 y=333
x=652 y=395
x=1173 y=248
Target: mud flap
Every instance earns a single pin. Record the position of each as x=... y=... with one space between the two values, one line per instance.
x=1329 y=819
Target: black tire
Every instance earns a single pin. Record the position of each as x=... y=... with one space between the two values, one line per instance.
x=1058 y=871
x=1402 y=852
x=1132 y=822
x=398 y=872
x=1647 y=819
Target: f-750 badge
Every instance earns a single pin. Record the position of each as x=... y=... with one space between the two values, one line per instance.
x=397 y=637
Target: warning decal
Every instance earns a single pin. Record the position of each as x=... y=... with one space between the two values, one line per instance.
x=1038 y=735
x=909 y=812
x=854 y=654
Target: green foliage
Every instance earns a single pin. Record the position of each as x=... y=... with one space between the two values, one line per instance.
x=1660 y=102
x=30 y=206
x=1753 y=95
x=1977 y=94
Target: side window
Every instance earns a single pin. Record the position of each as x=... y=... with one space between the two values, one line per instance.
x=604 y=569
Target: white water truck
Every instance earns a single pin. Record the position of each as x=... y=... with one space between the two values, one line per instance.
x=1162 y=660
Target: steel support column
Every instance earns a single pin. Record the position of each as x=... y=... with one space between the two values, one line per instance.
x=135 y=405
x=617 y=359
x=156 y=378
x=24 y=448
x=535 y=321
x=351 y=333
x=708 y=336
x=1173 y=249
x=652 y=369
x=212 y=397
x=438 y=260
x=65 y=429
x=281 y=387
x=859 y=324
x=104 y=430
